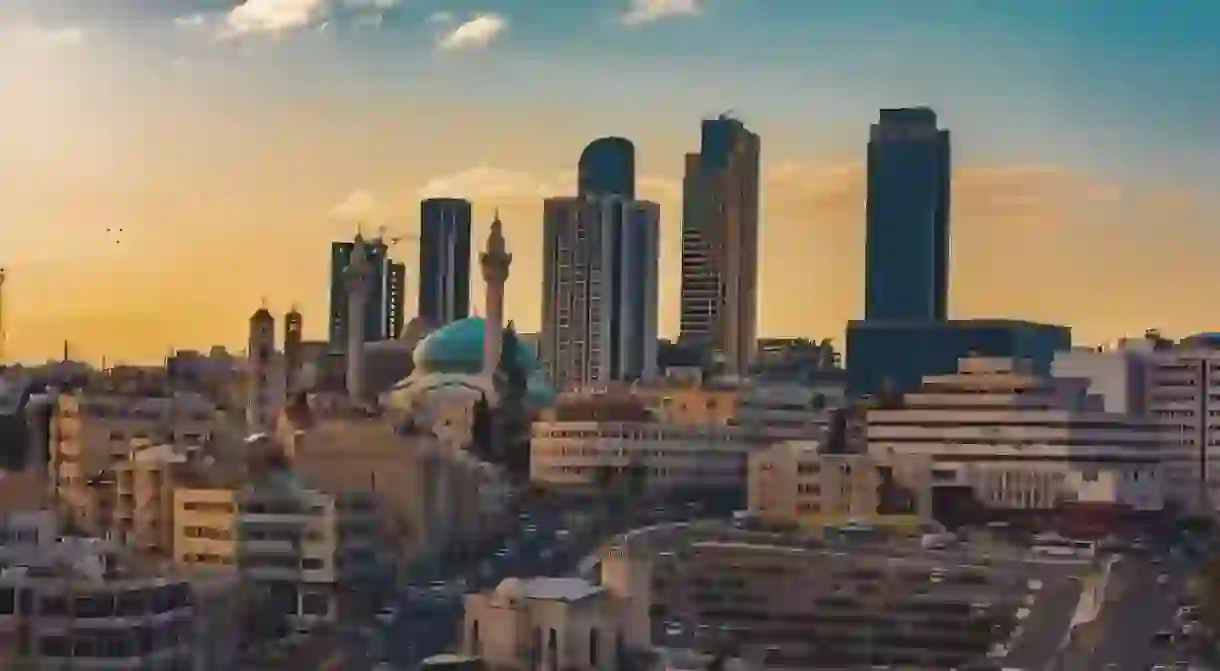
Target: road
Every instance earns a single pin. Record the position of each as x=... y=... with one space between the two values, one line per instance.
x=544 y=542
x=1145 y=607
x=1050 y=614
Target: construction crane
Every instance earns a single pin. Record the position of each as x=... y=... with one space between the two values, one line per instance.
x=391 y=240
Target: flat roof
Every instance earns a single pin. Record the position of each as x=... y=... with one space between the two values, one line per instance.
x=550 y=589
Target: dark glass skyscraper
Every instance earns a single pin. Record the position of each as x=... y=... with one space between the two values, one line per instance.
x=444 y=260
x=720 y=194
x=383 y=317
x=607 y=168
x=907 y=246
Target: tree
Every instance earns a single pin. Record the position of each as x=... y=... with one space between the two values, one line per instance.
x=481 y=431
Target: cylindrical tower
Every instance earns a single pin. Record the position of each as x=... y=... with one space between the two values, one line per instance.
x=293 y=325
x=495 y=262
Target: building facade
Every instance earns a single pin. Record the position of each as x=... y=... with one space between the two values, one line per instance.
x=71 y=603
x=1020 y=441
x=444 y=260
x=548 y=623
x=896 y=356
x=907 y=245
x=91 y=430
x=600 y=290
x=720 y=201
x=1176 y=385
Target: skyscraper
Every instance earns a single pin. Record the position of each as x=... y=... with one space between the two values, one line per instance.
x=599 y=290
x=383 y=315
x=607 y=168
x=720 y=241
x=907 y=246
x=444 y=260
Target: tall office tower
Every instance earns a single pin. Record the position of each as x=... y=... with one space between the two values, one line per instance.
x=293 y=356
x=394 y=293
x=907 y=247
x=383 y=316
x=720 y=242
x=599 y=290
x=607 y=168
x=444 y=260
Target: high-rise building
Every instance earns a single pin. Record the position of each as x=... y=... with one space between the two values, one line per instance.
x=599 y=290
x=383 y=315
x=907 y=246
x=720 y=242
x=607 y=168
x=444 y=260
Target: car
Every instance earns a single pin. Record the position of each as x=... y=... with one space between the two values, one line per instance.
x=387 y=615
x=530 y=530
x=1163 y=637
x=1162 y=579
x=673 y=629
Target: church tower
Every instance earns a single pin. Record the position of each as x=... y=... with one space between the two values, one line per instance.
x=260 y=355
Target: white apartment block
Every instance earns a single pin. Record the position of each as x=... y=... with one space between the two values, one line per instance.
x=1175 y=384
x=1022 y=441
x=600 y=290
x=673 y=456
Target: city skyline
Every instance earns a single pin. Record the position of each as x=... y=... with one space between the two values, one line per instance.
x=170 y=169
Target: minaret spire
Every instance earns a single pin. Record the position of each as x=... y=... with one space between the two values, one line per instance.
x=495 y=262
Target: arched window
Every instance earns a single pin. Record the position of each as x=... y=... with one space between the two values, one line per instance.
x=594 y=643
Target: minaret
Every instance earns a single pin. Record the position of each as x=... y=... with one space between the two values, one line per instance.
x=495 y=261
x=293 y=325
x=259 y=354
x=357 y=277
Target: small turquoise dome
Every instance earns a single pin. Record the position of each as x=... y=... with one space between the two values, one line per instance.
x=457 y=347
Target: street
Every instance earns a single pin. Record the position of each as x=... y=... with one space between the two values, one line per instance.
x=424 y=619
x=1128 y=627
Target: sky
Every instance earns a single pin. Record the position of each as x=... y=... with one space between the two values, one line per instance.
x=169 y=166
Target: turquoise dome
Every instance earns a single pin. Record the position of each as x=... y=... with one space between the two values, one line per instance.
x=457 y=348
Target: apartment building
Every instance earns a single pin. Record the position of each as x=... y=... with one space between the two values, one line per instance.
x=92 y=429
x=1018 y=441
x=689 y=441
x=1177 y=385
x=429 y=492
x=549 y=623
x=800 y=483
x=68 y=602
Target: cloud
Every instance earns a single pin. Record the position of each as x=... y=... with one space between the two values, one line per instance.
x=358 y=205
x=376 y=5
x=479 y=32
x=489 y=182
x=63 y=36
x=192 y=21
x=272 y=17
x=647 y=11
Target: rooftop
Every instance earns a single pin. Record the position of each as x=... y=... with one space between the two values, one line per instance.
x=549 y=589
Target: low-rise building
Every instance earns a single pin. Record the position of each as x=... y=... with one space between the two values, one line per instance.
x=580 y=441
x=68 y=602
x=549 y=623
x=1002 y=438
x=92 y=428
x=800 y=483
